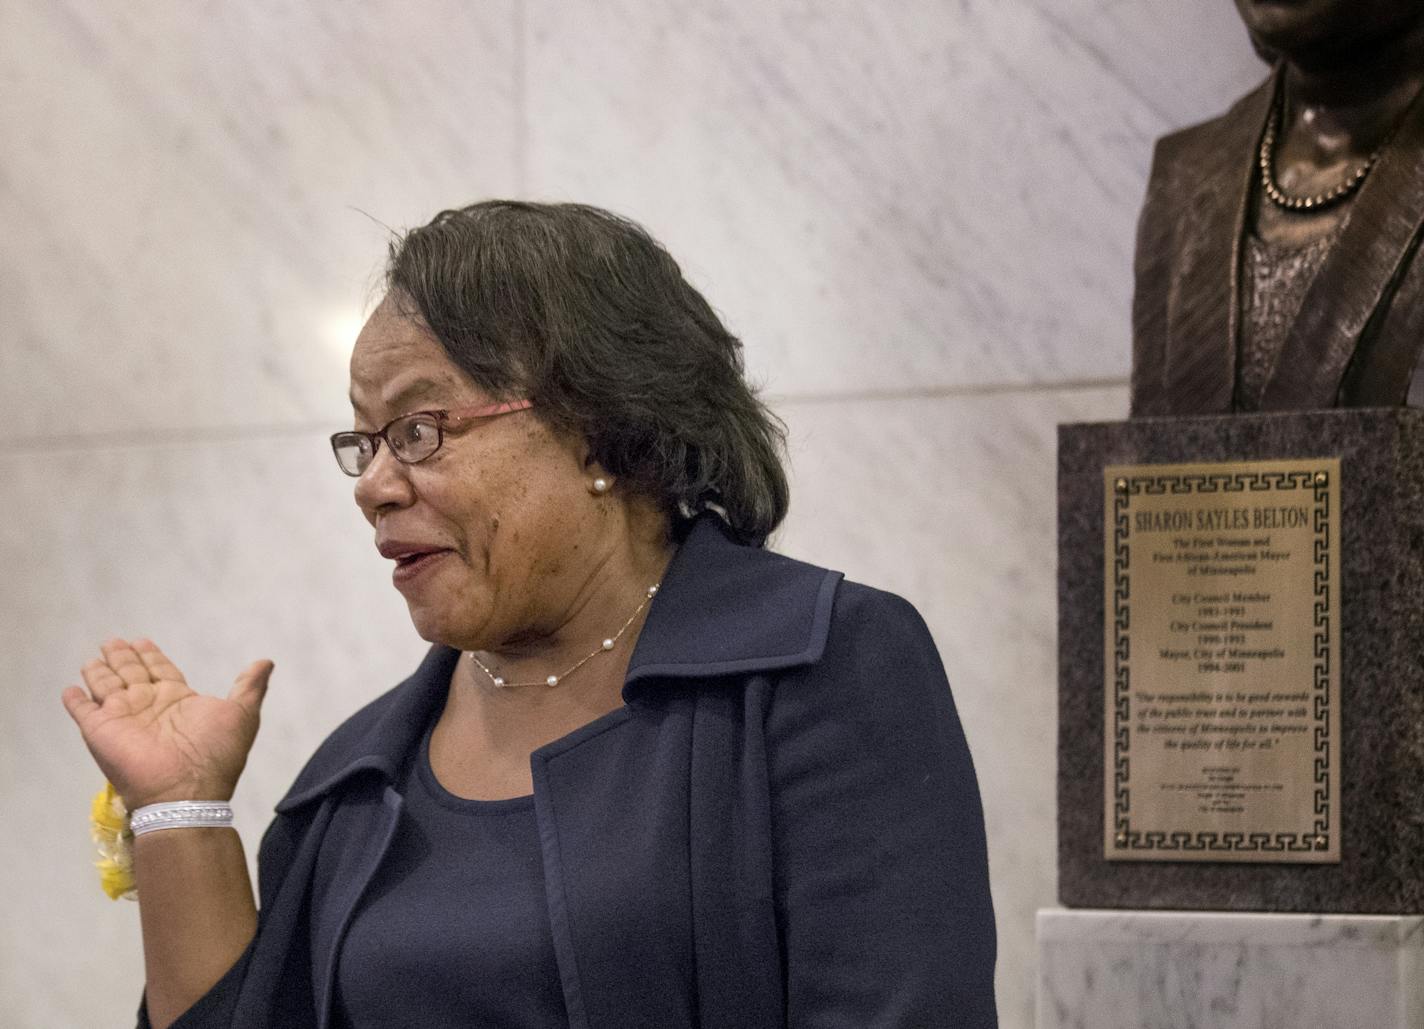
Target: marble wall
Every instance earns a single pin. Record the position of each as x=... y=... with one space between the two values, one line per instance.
x=918 y=216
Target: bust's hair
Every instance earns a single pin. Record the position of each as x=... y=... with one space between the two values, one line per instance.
x=588 y=315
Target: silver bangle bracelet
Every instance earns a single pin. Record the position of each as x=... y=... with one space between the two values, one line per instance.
x=181 y=814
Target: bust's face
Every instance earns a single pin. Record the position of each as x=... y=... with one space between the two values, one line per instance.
x=1336 y=28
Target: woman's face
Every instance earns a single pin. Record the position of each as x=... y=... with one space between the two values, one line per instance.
x=1326 y=27
x=495 y=534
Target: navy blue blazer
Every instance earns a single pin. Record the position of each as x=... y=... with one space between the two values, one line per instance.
x=780 y=827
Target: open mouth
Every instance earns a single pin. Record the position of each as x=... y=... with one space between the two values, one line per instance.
x=410 y=565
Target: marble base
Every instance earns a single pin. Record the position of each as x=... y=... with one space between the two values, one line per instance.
x=1214 y=970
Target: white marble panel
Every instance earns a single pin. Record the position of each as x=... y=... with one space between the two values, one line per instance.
x=950 y=502
x=1213 y=970
x=224 y=553
x=195 y=196
x=883 y=196
x=1183 y=61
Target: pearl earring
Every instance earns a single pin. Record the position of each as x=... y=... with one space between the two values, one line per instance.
x=600 y=485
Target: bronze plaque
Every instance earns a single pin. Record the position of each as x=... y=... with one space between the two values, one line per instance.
x=1222 y=692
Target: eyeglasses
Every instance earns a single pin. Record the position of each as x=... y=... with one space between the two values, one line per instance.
x=412 y=437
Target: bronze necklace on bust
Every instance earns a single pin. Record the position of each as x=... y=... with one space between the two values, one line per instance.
x=1315 y=202
x=1266 y=159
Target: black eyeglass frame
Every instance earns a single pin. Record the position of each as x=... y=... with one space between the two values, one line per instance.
x=438 y=418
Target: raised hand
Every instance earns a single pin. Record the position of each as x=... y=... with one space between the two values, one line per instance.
x=153 y=736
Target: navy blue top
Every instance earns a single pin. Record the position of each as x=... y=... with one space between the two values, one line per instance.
x=454 y=928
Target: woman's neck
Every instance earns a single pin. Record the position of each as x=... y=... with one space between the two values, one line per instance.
x=607 y=601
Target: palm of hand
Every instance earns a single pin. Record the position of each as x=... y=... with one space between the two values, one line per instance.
x=154 y=736
x=163 y=738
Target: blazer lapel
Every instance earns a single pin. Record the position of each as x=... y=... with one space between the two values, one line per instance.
x=1361 y=273
x=1201 y=361
x=728 y=609
x=357 y=838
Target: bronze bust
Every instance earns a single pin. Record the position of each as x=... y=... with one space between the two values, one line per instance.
x=1278 y=253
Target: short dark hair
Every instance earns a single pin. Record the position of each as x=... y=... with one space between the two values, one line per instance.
x=586 y=313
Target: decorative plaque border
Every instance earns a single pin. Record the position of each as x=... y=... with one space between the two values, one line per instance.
x=1317 y=484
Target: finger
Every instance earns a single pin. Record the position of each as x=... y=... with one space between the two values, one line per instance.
x=250 y=688
x=78 y=704
x=101 y=679
x=122 y=659
x=157 y=662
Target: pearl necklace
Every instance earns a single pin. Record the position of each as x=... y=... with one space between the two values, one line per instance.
x=554 y=680
x=1280 y=197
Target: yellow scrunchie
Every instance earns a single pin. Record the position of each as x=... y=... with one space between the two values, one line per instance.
x=109 y=828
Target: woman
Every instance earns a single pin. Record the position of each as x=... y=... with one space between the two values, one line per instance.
x=650 y=774
x=1278 y=254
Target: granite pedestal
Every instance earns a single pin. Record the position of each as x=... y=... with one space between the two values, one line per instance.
x=1381 y=868
x=1173 y=970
